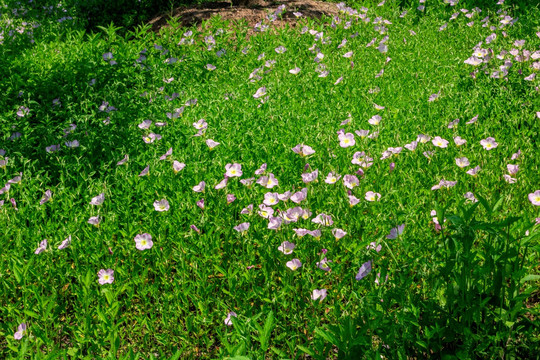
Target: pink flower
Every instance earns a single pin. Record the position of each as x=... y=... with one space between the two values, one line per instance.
x=105 y=276
x=323 y=264
x=462 y=162
x=247 y=210
x=374 y=246
x=534 y=198
x=161 y=205
x=509 y=179
x=221 y=184
x=228 y=320
x=286 y=247
x=346 y=140
x=211 y=143
x=332 y=178
x=375 y=120
x=168 y=153
x=145 y=171
x=94 y=220
x=143 y=241
x=323 y=219
x=439 y=142
x=372 y=196
x=271 y=199
x=350 y=181
x=338 y=233
x=268 y=181
x=98 y=200
x=303 y=150
x=309 y=177
x=512 y=169
x=353 y=200
x=474 y=171
x=65 y=243
x=261 y=170
x=199 y=187
x=123 y=161
x=178 y=166
x=233 y=170
x=42 y=247
x=294 y=264
x=21 y=330
x=319 y=294
x=299 y=196
x=423 y=138
x=274 y=222
x=265 y=211
x=459 y=141
x=46 y=197
x=242 y=228
x=489 y=143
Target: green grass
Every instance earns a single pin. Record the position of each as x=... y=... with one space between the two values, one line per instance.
x=466 y=291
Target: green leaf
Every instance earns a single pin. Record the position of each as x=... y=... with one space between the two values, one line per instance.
x=530 y=277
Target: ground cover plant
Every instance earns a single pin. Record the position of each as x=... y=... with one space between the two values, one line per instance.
x=354 y=187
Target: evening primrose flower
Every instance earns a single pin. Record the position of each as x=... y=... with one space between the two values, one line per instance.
x=474 y=171
x=353 y=200
x=509 y=179
x=41 y=248
x=286 y=247
x=168 y=153
x=299 y=196
x=295 y=71
x=489 y=143
x=98 y=200
x=470 y=196
x=143 y=241
x=459 y=141
x=303 y=150
x=261 y=170
x=323 y=219
x=65 y=243
x=260 y=92
x=395 y=232
x=439 y=142
x=270 y=199
x=230 y=198
x=346 y=140
x=145 y=171
x=319 y=294
x=411 y=146
x=199 y=187
x=372 y=196
x=247 y=210
x=161 y=205
x=105 y=276
x=178 y=166
x=274 y=222
x=323 y=264
x=21 y=330
x=422 y=139
x=512 y=169
x=94 y=220
x=338 y=233
x=265 y=211
x=201 y=124
x=534 y=198
x=462 y=162
x=46 y=197
x=228 y=320
x=363 y=271
x=350 y=181
x=309 y=177
x=373 y=246
x=375 y=120
x=268 y=181
x=222 y=183
x=123 y=161
x=285 y=196
x=211 y=143
x=233 y=170
x=332 y=178
x=242 y=228
x=294 y=264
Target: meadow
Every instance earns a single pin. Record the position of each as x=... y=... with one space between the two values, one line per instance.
x=350 y=187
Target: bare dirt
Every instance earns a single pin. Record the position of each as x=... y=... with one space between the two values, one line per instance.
x=254 y=13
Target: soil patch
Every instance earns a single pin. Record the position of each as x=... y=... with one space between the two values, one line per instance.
x=254 y=13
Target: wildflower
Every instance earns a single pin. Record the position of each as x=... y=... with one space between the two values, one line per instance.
x=52 y=148
x=470 y=196
x=260 y=92
x=439 y=142
x=459 y=141
x=42 y=247
x=301 y=232
x=161 y=205
x=374 y=246
x=228 y=320
x=285 y=196
x=94 y=220
x=145 y=171
x=338 y=233
x=462 y=162
x=372 y=196
x=412 y=146
x=178 y=166
x=434 y=97
x=444 y=183
x=323 y=219
x=123 y=161
x=65 y=243
x=309 y=177
x=474 y=171
x=318 y=294
x=105 y=276
x=98 y=200
x=509 y=179
x=274 y=222
x=233 y=170
x=489 y=143
x=299 y=196
x=294 y=264
x=211 y=143
x=268 y=181
x=473 y=120
x=423 y=138
x=265 y=211
x=303 y=150
x=534 y=198
x=375 y=120
x=143 y=241
x=362 y=133
x=323 y=264
x=247 y=182
x=210 y=67
x=242 y=228
x=353 y=200
x=332 y=178
x=516 y=155
x=295 y=71
x=46 y=197
x=512 y=169
x=364 y=270
x=164 y=156
x=72 y=144
x=199 y=187
x=271 y=199
x=346 y=140
x=395 y=232
x=350 y=181
x=261 y=170
x=21 y=330
x=194 y=228
x=201 y=124
x=286 y=247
